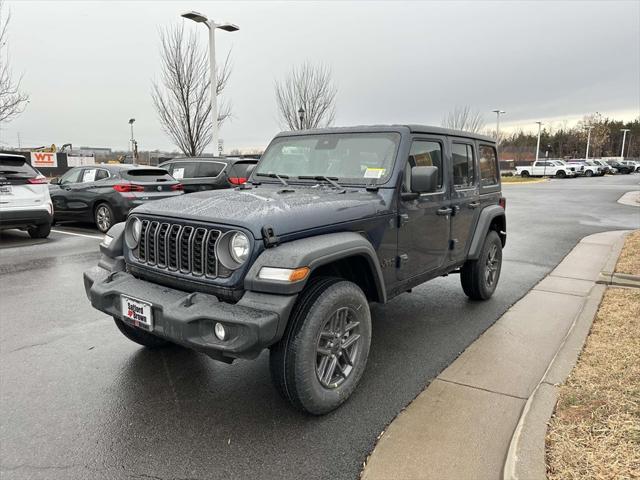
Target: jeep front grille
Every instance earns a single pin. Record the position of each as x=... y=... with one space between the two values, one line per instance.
x=184 y=248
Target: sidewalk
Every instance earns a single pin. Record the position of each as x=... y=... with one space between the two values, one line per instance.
x=478 y=418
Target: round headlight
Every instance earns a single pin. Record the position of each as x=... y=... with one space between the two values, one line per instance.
x=239 y=247
x=132 y=232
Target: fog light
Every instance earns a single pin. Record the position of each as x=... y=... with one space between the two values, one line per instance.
x=220 y=332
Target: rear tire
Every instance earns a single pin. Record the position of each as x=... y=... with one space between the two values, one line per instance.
x=480 y=277
x=524 y=174
x=323 y=353
x=588 y=173
x=104 y=217
x=40 y=231
x=140 y=337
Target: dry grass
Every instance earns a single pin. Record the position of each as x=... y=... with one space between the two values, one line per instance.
x=522 y=180
x=595 y=431
x=629 y=261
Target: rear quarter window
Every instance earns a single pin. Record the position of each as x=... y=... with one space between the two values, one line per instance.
x=241 y=169
x=488 y=160
x=210 y=169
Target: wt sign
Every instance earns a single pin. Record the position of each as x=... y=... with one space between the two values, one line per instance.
x=43 y=159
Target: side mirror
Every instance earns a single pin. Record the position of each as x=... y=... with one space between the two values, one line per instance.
x=55 y=181
x=424 y=179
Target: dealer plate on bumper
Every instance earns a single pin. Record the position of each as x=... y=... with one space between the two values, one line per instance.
x=137 y=312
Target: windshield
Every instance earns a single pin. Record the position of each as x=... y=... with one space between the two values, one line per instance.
x=361 y=158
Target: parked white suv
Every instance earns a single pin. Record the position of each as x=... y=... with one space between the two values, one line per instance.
x=24 y=197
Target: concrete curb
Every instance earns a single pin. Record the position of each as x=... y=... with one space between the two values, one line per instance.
x=526 y=455
x=485 y=416
x=532 y=182
x=630 y=198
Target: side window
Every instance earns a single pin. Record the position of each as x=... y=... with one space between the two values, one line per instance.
x=488 y=165
x=462 y=158
x=168 y=167
x=90 y=175
x=101 y=174
x=72 y=176
x=210 y=169
x=424 y=154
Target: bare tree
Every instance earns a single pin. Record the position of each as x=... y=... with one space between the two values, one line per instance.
x=182 y=99
x=463 y=118
x=12 y=99
x=310 y=88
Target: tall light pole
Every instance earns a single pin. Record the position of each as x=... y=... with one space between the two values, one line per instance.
x=211 y=25
x=624 y=137
x=498 y=112
x=538 y=145
x=589 y=128
x=301 y=113
x=133 y=142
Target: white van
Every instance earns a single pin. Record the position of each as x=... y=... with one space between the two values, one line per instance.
x=24 y=197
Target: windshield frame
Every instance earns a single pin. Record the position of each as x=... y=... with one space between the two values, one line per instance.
x=343 y=181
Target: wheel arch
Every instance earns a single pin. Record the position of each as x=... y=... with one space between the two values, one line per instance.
x=346 y=254
x=491 y=218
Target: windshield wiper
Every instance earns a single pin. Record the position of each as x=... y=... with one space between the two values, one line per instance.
x=274 y=175
x=331 y=180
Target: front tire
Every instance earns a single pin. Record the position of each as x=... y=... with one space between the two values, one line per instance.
x=588 y=173
x=321 y=357
x=480 y=277
x=140 y=336
x=104 y=217
x=561 y=174
x=40 y=231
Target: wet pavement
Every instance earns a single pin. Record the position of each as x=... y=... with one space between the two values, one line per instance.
x=78 y=400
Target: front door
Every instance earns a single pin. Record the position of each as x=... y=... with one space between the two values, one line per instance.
x=464 y=197
x=423 y=234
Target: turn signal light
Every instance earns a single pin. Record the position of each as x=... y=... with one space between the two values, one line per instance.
x=237 y=180
x=128 y=187
x=284 y=274
x=503 y=202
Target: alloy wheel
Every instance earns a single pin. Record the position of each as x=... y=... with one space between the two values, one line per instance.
x=103 y=218
x=337 y=348
x=491 y=267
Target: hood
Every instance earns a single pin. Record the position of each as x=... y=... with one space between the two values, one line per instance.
x=287 y=210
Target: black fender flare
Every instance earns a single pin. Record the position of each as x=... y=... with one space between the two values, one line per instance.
x=487 y=216
x=313 y=252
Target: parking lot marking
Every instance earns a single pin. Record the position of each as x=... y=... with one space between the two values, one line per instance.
x=77 y=234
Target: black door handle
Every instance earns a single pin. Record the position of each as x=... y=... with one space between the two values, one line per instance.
x=474 y=204
x=444 y=211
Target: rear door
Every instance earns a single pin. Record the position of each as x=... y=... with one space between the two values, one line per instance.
x=464 y=196
x=186 y=173
x=21 y=186
x=60 y=191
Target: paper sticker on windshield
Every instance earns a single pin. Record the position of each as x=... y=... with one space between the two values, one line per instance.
x=374 y=172
x=178 y=173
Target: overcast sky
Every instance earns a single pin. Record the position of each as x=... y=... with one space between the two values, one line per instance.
x=88 y=66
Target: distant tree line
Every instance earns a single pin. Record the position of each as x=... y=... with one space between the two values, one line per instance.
x=571 y=142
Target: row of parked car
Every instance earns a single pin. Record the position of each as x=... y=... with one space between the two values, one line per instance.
x=104 y=193
x=575 y=168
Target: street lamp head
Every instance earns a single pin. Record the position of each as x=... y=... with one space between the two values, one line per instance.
x=229 y=27
x=301 y=111
x=131 y=120
x=625 y=130
x=195 y=16
x=498 y=111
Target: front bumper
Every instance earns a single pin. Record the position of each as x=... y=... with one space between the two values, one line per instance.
x=254 y=323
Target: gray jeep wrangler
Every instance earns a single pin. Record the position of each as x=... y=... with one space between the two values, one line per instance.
x=329 y=221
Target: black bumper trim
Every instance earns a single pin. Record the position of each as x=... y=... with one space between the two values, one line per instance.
x=250 y=329
x=19 y=218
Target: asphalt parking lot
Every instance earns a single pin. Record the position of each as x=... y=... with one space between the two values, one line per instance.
x=78 y=400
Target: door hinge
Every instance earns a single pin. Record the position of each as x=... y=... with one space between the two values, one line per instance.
x=402 y=219
x=269 y=236
x=452 y=243
x=401 y=259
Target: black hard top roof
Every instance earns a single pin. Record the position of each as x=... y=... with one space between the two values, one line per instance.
x=210 y=159
x=409 y=128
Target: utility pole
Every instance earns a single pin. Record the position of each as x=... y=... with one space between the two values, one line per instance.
x=538 y=144
x=624 y=137
x=212 y=26
x=589 y=128
x=133 y=142
x=498 y=112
